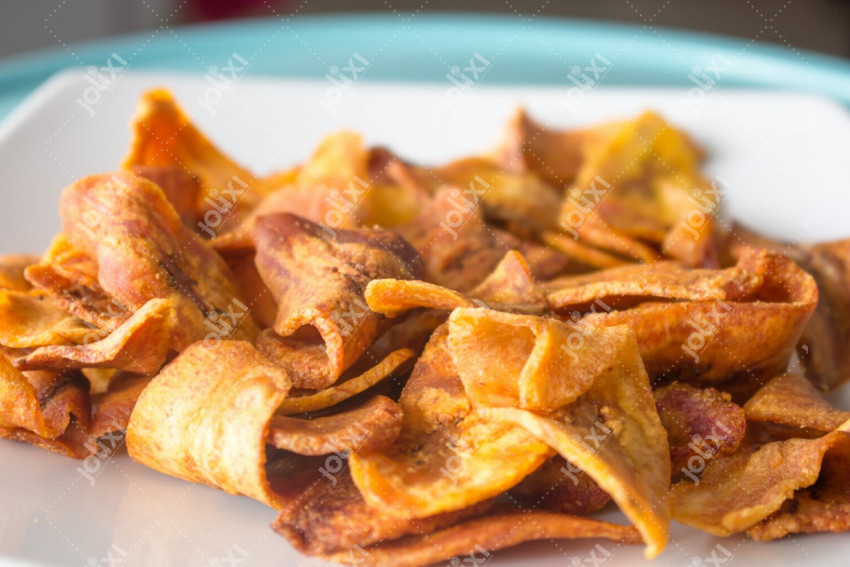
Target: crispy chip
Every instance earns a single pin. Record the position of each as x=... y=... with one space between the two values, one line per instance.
x=614 y=434
x=738 y=344
x=561 y=486
x=824 y=507
x=698 y=421
x=509 y=287
x=346 y=389
x=144 y=252
x=662 y=280
x=181 y=188
x=491 y=533
x=220 y=399
x=139 y=345
x=318 y=280
x=372 y=426
x=12 y=268
x=822 y=349
x=330 y=516
x=46 y=409
x=737 y=491
x=116 y=404
x=581 y=252
x=164 y=138
x=445 y=457
x=523 y=361
x=790 y=399
x=29 y=319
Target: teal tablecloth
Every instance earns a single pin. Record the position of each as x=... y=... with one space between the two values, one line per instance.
x=411 y=47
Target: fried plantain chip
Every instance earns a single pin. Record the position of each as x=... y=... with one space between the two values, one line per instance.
x=444 y=458
x=144 y=252
x=323 y=323
x=164 y=137
x=699 y=422
x=12 y=268
x=29 y=319
x=347 y=388
x=372 y=426
x=613 y=433
x=822 y=347
x=790 y=399
x=735 y=344
x=662 y=280
x=330 y=516
x=113 y=407
x=581 y=252
x=529 y=362
x=736 y=492
x=824 y=507
x=46 y=409
x=220 y=398
x=139 y=345
x=69 y=276
x=499 y=530
x=457 y=248
x=181 y=188
x=509 y=287
x=560 y=486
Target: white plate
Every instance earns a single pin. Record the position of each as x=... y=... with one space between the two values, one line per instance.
x=783 y=157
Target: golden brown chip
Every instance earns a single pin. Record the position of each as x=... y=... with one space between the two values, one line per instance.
x=346 y=389
x=144 y=252
x=181 y=188
x=700 y=422
x=560 y=486
x=205 y=418
x=12 y=268
x=457 y=248
x=372 y=426
x=445 y=457
x=824 y=507
x=523 y=361
x=582 y=252
x=113 y=407
x=737 y=491
x=662 y=280
x=30 y=319
x=46 y=409
x=613 y=433
x=472 y=541
x=330 y=516
x=139 y=345
x=790 y=399
x=164 y=137
x=318 y=279
x=738 y=344
x=822 y=347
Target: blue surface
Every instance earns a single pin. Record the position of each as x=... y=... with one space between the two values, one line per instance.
x=425 y=47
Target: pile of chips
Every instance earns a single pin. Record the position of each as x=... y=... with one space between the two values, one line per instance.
x=410 y=363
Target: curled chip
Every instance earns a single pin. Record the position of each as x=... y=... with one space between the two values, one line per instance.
x=374 y=425
x=113 y=407
x=144 y=252
x=139 y=345
x=736 y=492
x=30 y=319
x=614 y=435
x=46 y=409
x=737 y=343
x=439 y=434
x=323 y=323
x=165 y=138
x=790 y=399
x=347 y=388
x=220 y=398
x=509 y=287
